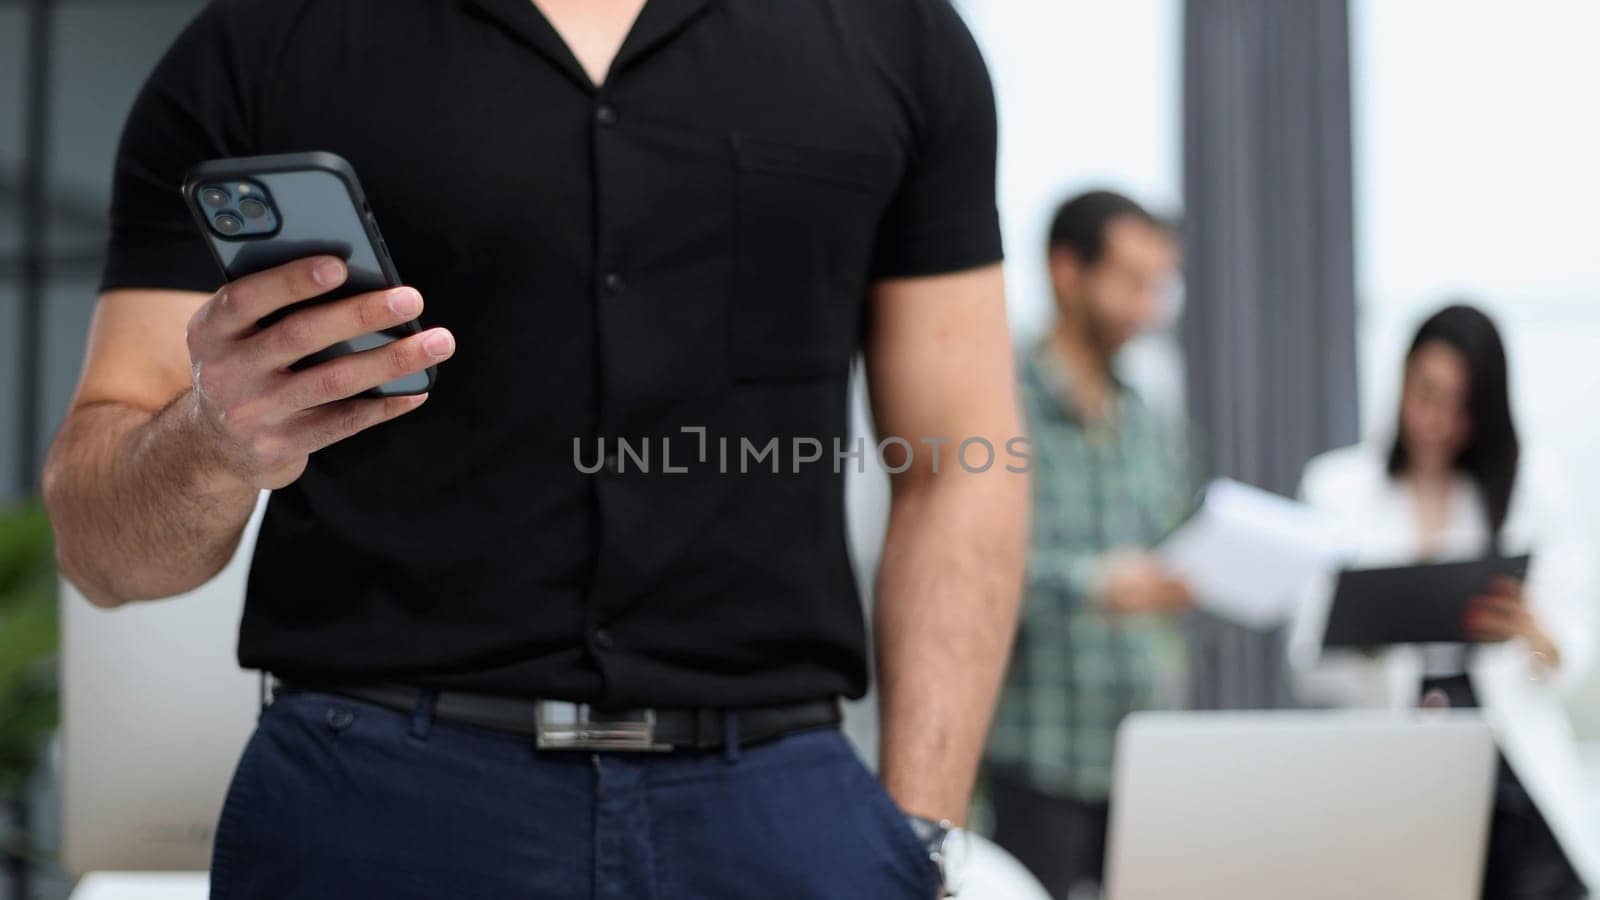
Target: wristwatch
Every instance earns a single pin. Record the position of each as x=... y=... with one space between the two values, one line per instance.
x=948 y=847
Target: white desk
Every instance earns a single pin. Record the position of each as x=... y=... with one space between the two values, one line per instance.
x=143 y=886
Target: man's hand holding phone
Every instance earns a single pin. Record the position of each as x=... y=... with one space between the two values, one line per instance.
x=266 y=418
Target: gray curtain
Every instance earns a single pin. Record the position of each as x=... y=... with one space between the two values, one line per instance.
x=1269 y=326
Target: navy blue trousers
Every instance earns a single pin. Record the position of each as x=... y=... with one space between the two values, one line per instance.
x=338 y=798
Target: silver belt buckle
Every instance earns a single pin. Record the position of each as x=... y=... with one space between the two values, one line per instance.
x=563 y=725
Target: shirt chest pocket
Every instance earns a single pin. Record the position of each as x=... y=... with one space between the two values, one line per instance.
x=805 y=224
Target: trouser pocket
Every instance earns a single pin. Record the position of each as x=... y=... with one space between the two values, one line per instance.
x=799 y=818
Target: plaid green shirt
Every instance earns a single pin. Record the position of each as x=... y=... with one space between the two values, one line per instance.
x=1077 y=670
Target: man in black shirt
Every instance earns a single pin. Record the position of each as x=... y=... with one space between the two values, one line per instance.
x=666 y=225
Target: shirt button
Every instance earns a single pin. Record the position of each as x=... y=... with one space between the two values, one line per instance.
x=339 y=718
x=606 y=114
x=603 y=639
x=613 y=463
x=614 y=283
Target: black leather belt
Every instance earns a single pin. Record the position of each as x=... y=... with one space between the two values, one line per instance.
x=564 y=725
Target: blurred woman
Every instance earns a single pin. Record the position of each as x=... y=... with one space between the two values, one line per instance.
x=1455 y=484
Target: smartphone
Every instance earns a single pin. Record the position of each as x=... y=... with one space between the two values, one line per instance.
x=257 y=212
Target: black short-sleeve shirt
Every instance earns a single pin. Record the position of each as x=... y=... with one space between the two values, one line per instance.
x=657 y=287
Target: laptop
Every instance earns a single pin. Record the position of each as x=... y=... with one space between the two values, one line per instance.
x=1302 y=804
x=155 y=711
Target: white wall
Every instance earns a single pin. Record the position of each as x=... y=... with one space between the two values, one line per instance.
x=1478 y=173
x=155 y=712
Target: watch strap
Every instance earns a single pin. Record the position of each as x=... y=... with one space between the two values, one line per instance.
x=932 y=835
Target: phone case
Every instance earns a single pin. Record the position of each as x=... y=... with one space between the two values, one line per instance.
x=319 y=209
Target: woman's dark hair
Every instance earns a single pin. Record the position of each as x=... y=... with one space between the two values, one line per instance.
x=1491 y=453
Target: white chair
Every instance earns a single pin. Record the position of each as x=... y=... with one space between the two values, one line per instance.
x=143 y=886
x=994 y=874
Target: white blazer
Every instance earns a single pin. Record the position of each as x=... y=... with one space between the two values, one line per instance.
x=1376 y=515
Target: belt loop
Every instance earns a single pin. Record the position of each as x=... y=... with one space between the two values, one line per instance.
x=705 y=720
x=422 y=716
x=730 y=735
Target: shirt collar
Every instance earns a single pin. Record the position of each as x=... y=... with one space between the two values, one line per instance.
x=1056 y=380
x=658 y=21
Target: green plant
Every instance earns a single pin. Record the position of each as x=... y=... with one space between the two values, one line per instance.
x=29 y=643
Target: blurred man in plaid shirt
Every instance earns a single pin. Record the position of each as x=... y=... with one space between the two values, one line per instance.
x=1099 y=636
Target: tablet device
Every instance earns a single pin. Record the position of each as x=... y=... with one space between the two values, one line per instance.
x=1411 y=604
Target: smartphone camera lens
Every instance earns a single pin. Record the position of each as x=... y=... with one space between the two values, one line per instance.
x=228 y=224
x=216 y=198
x=252 y=208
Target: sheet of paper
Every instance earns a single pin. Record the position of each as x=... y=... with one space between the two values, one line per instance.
x=1248 y=553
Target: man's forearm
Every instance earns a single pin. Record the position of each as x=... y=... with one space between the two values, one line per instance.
x=140 y=506
x=948 y=591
